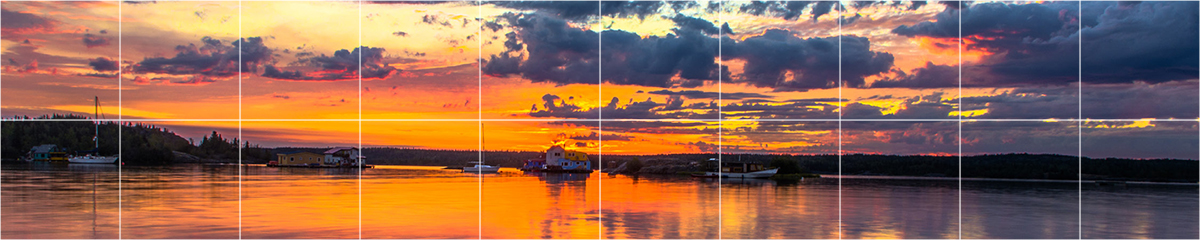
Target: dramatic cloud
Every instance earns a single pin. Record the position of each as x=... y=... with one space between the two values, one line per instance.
x=554 y=106
x=1039 y=43
x=694 y=94
x=697 y=24
x=558 y=52
x=780 y=60
x=103 y=64
x=777 y=59
x=655 y=61
x=343 y=65
x=1175 y=99
x=91 y=40
x=930 y=76
x=19 y=23
x=212 y=59
x=586 y=9
x=606 y=137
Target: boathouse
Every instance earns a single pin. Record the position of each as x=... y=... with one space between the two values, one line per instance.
x=342 y=156
x=558 y=158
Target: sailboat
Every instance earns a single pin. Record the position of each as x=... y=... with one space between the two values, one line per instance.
x=479 y=166
x=93 y=156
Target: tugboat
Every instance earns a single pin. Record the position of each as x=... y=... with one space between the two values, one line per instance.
x=559 y=160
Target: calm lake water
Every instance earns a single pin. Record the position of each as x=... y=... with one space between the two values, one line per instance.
x=197 y=201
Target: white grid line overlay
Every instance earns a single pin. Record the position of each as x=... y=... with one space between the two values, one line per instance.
x=1079 y=124
x=720 y=123
x=359 y=161
x=240 y=136
x=600 y=115
x=479 y=124
x=960 y=125
x=840 y=111
x=120 y=117
x=720 y=119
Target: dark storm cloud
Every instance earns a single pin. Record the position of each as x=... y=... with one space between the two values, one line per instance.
x=930 y=76
x=777 y=59
x=585 y=9
x=100 y=75
x=811 y=62
x=676 y=107
x=654 y=61
x=606 y=137
x=696 y=94
x=103 y=64
x=558 y=53
x=1147 y=41
x=1038 y=43
x=697 y=24
x=1175 y=140
x=211 y=59
x=788 y=10
x=16 y=23
x=343 y=65
x=91 y=40
x=415 y=2
x=1027 y=103
x=1141 y=100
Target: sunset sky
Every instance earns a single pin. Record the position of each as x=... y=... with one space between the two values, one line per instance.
x=660 y=74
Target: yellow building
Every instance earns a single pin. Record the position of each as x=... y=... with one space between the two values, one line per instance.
x=300 y=158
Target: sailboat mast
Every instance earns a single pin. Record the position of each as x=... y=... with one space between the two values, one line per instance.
x=482 y=143
x=96 y=138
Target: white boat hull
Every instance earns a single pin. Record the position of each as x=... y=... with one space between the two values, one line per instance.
x=759 y=174
x=481 y=169
x=93 y=159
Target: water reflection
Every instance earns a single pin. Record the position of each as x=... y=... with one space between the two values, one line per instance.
x=540 y=205
x=200 y=201
x=300 y=202
x=900 y=208
x=156 y=198
x=44 y=200
x=658 y=207
x=1141 y=211
x=767 y=209
x=1024 y=210
x=420 y=202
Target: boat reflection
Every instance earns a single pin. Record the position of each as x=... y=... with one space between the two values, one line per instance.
x=558 y=178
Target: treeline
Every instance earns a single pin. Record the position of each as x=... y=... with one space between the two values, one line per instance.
x=1010 y=166
x=139 y=144
x=427 y=157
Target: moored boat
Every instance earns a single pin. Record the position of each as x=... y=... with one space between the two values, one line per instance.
x=93 y=156
x=94 y=159
x=481 y=168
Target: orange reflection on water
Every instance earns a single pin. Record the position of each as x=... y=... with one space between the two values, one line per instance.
x=299 y=203
x=760 y=209
x=647 y=208
x=541 y=205
x=397 y=203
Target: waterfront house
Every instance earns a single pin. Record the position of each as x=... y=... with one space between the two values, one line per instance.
x=558 y=158
x=300 y=158
x=47 y=152
x=342 y=156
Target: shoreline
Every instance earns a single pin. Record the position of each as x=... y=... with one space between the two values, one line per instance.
x=1096 y=181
